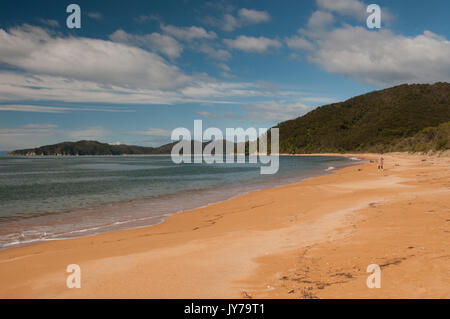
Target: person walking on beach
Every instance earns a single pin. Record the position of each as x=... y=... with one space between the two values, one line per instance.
x=381 y=163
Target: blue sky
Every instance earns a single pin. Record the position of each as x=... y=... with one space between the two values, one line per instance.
x=136 y=70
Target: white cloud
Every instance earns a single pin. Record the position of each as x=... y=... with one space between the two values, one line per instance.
x=152 y=132
x=252 y=44
x=153 y=41
x=15 y=87
x=319 y=99
x=34 y=50
x=28 y=130
x=188 y=33
x=47 y=67
x=26 y=136
x=224 y=67
x=215 y=53
x=212 y=88
x=219 y=116
x=95 y=15
x=297 y=42
x=40 y=126
x=354 y=8
x=33 y=108
x=248 y=16
x=320 y=19
x=276 y=111
x=319 y=23
x=268 y=112
x=56 y=109
x=146 y=18
x=198 y=39
x=384 y=58
x=228 y=23
x=89 y=133
x=381 y=58
x=50 y=22
x=244 y=17
x=226 y=70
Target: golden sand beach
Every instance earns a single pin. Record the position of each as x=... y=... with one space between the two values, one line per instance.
x=312 y=239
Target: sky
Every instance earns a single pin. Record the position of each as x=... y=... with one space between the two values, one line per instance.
x=136 y=70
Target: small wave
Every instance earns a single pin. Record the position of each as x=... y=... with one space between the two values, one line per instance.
x=22 y=242
x=330 y=168
x=354 y=159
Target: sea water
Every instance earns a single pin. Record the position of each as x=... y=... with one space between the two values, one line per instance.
x=49 y=198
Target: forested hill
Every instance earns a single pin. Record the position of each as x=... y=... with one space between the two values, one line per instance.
x=81 y=148
x=374 y=122
x=91 y=148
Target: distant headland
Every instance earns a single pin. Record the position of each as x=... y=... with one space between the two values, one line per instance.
x=84 y=147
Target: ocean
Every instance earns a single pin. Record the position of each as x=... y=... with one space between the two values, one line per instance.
x=51 y=198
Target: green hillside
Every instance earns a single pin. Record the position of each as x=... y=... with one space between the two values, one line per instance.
x=86 y=148
x=429 y=139
x=82 y=148
x=373 y=122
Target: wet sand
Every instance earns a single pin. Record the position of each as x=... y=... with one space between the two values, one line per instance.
x=312 y=239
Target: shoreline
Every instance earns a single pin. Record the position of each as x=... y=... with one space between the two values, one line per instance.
x=269 y=243
x=160 y=218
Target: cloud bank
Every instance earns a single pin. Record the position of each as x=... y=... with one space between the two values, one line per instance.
x=378 y=58
x=45 y=66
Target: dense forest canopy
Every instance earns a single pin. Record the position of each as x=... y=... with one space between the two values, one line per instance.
x=377 y=121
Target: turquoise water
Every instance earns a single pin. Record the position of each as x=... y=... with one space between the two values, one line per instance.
x=46 y=198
